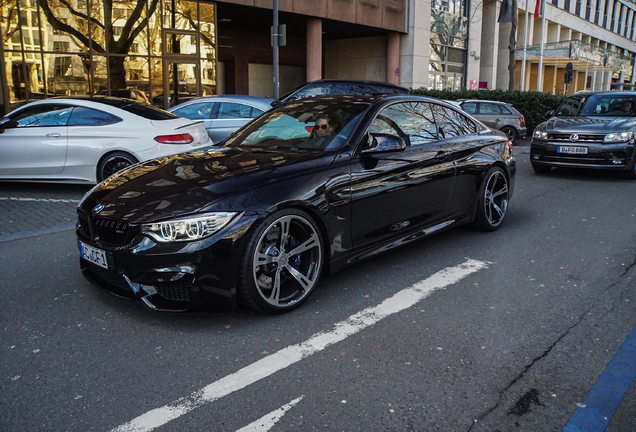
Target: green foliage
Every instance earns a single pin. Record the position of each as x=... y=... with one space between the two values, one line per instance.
x=532 y=105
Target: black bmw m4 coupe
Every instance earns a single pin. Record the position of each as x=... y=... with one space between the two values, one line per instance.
x=308 y=187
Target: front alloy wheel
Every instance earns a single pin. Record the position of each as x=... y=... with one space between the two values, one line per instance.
x=493 y=200
x=283 y=262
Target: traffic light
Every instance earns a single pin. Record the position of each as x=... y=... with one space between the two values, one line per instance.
x=568 y=74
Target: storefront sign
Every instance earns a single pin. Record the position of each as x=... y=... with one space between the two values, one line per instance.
x=618 y=63
x=586 y=54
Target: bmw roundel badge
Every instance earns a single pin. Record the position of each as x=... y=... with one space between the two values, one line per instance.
x=574 y=137
x=98 y=208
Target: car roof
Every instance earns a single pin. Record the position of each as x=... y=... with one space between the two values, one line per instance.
x=483 y=100
x=604 y=92
x=353 y=81
x=260 y=102
x=106 y=100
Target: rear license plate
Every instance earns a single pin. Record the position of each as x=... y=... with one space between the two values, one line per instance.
x=94 y=255
x=572 y=150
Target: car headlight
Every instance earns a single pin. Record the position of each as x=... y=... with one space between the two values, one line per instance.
x=618 y=137
x=541 y=135
x=189 y=229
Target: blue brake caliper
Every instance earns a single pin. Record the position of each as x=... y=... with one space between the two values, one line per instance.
x=295 y=260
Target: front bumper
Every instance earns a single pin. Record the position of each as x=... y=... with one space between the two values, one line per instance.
x=619 y=156
x=173 y=277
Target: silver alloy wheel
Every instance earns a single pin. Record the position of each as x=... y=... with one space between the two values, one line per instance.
x=510 y=133
x=496 y=198
x=287 y=261
x=115 y=163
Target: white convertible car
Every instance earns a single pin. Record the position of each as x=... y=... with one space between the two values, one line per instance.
x=87 y=139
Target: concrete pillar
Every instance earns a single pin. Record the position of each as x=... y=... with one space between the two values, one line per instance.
x=415 y=45
x=314 y=49
x=489 y=44
x=392 y=57
x=474 y=44
x=503 y=56
x=520 y=31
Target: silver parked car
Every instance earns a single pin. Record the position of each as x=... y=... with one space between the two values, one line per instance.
x=497 y=115
x=222 y=115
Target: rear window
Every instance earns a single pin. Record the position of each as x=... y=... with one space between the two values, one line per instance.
x=149 y=112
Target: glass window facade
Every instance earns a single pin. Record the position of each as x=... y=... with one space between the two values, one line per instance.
x=449 y=40
x=91 y=47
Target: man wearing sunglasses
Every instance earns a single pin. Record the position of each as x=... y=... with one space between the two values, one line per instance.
x=323 y=126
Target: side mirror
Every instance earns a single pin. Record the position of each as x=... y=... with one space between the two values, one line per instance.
x=549 y=114
x=382 y=143
x=276 y=103
x=5 y=123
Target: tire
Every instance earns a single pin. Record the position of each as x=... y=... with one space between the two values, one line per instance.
x=631 y=173
x=272 y=279
x=112 y=163
x=511 y=133
x=541 y=169
x=493 y=200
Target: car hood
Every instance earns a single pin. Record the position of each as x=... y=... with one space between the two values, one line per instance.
x=191 y=182
x=585 y=124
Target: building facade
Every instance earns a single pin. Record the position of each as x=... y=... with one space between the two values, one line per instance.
x=160 y=49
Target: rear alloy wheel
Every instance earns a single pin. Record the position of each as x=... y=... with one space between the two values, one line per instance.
x=282 y=263
x=113 y=163
x=511 y=133
x=493 y=200
x=541 y=169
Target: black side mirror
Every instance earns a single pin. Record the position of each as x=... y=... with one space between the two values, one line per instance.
x=549 y=114
x=276 y=103
x=382 y=143
x=5 y=123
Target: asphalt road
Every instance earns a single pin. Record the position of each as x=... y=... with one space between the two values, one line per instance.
x=516 y=336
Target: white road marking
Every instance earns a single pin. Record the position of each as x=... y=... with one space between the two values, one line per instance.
x=294 y=353
x=268 y=421
x=53 y=200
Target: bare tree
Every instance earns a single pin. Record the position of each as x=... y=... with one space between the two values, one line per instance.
x=102 y=37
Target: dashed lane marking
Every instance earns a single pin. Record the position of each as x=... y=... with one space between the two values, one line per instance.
x=294 y=353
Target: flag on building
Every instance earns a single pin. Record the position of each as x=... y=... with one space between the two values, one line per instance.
x=538 y=8
x=505 y=14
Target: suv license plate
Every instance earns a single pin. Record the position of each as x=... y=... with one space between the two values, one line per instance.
x=572 y=150
x=94 y=255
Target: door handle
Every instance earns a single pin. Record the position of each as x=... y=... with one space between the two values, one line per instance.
x=52 y=135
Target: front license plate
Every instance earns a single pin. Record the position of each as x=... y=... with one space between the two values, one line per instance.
x=94 y=255
x=572 y=150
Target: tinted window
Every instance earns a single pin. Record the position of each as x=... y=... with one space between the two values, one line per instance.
x=451 y=123
x=256 y=112
x=612 y=105
x=505 y=110
x=42 y=115
x=486 y=108
x=149 y=112
x=82 y=116
x=233 y=111
x=197 y=111
x=310 y=91
x=411 y=121
x=571 y=106
x=470 y=107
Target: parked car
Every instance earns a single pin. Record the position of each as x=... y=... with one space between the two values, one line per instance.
x=222 y=115
x=183 y=97
x=340 y=86
x=309 y=187
x=82 y=139
x=497 y=115
x=589 y=130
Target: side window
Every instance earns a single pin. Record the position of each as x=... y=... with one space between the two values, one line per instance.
x=199 y=111
x=505 y=110
x=411 y=121
x=486 y=108
x=256 y=112
x=233 y=111
x=82 y=116
x=470 y=107
x=343 y=89
x=43 y=115
x=451 y=123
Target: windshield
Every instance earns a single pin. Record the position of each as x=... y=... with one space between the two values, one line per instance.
x=609 y=105
x=313 y=125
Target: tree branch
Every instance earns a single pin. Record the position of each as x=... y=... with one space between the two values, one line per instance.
x=79 y=14
x=59 y=25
